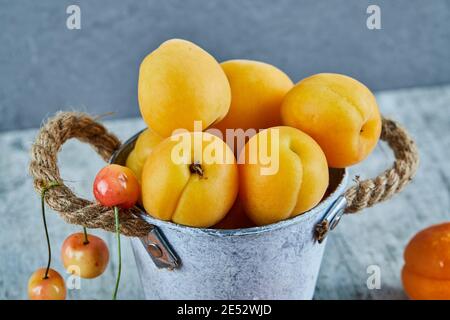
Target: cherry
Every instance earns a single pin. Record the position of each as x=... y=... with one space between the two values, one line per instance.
x=116 y=186
x=85 y=256
x=46 y=283
x=46 y=287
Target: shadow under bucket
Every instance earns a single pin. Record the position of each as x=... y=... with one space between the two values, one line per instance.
x=277 y=261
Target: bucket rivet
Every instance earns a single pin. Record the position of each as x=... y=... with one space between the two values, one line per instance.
x=155 y=250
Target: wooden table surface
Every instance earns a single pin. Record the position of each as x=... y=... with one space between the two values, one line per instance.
x=371 y=240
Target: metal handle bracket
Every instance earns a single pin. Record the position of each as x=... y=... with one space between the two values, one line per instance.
x=159 y=250
x=331 y=219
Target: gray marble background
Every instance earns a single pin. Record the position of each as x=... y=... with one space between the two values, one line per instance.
x=45 y=67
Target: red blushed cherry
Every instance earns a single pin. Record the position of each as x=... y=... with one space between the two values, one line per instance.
x=85 y=255
x=50 y=287
x=116 y=185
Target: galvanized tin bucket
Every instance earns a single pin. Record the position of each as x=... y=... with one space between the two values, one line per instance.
x=277 y=261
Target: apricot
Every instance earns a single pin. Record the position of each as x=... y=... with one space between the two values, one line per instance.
x=145 y=143
x=290 y=179
x=257 y=91
x=190 y=178
x=426 y=273
x=337 y=111
x=235 y=218
x=179 y=83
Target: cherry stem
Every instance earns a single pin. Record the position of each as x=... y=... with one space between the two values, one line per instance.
x=116 y=217
x=43 y=192
x=86 y=240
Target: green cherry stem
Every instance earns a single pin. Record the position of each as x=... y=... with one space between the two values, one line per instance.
x=86 y=240
x=43 y=192
x=116 y=216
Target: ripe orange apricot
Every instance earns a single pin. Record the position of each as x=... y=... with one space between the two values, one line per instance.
x=191 y=179
x=424 y=288
x=257 y=91
x=145 y=143
x=337 y=111
x=290 y=180
x=179 y=83
x=235 y=218
x=426 y=273
x=50 y=288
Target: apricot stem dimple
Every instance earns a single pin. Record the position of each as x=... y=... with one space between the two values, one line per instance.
x=196 y=168
x=363 y=128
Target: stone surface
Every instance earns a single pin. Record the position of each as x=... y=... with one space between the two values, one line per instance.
x=46 y=67
x=377 y=236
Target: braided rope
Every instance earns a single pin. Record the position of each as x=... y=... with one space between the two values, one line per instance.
x=372 y=191
x=75 y=210
x=44 y=169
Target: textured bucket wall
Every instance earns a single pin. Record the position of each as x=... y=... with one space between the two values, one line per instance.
x=279 y=261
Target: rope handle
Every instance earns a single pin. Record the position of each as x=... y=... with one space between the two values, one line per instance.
x=372 y=191
x=66 y=125
x=44 y=169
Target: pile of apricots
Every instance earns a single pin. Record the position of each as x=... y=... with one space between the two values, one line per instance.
x=185 y=95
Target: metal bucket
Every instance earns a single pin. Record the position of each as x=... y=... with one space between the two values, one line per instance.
x=277 y=261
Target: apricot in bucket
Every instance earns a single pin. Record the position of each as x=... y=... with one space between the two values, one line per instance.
x=236 y=218
x=257 y=91
x=145 y=143
x=426 y=272
x=284 y=174
x=337 y=111
x=180 y=83
x=190 y=178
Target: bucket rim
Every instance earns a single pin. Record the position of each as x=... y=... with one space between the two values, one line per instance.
x=321 y=207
